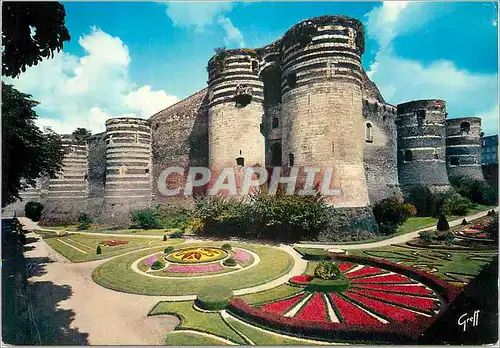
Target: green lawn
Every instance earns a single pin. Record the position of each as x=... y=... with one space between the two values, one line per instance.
x=268 y=295
x=179 y=338
x=82 y=248
x=457 y=267
x=193 y=319
x=116 y=274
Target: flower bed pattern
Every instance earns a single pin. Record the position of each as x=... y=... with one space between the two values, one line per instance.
x=114 y=242
x=214 y=267
x=379 y=302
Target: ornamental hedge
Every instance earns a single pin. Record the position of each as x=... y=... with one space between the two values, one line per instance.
x=214 y=297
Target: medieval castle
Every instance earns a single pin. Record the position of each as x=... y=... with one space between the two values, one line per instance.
x=304 y=100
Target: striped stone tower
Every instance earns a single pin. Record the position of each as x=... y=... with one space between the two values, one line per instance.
x=422 y=144
x=235 y=113
x=321 y=111
x=463 y=147
x=128 y=166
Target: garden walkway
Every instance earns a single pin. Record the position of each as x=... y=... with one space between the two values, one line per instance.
x=395 y=240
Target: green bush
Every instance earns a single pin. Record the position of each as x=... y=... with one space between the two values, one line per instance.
x=157 y=265
x=392 y=212
x=424 y=200
x=464 y=222
x=33 y=210
x=477 y=191
x=214 y=297
x=442 y=224
x=339 y=284
x=230 y=262
x=492 y=227
x=426 y=236
x=169 y=249
x=177 y=234
x=327 y=270
x=454 y=204
x=226 y=247
x=146 y=219
x=193 y=225
x=164 y=238
x=98 y=250
x=173 y=217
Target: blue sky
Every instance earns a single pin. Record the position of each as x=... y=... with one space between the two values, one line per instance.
x=135 y=59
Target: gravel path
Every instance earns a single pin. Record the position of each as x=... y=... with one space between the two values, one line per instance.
x=70 y=308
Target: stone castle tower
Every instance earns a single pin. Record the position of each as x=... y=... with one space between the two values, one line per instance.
x=303 y=100
x=422 y=144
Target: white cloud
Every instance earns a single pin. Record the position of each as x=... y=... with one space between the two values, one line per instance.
x=85 y=91
x=201 y=16
x=401 y=80
x=233 y=34
x=197 y=15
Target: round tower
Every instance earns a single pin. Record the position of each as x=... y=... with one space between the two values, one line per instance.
x=321 y=112
x=128 y=165
x=235 y=113
x=422 y=144
x=463 y=147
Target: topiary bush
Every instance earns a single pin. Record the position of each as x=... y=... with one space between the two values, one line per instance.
x=98 y=250
x=214 y=297
x=392 y=212
x=230 y=262
x=327 y=270
x=313 y=254
x=157 y=265
x=464 y=222
x=33 y=210
x=226 y=247
x=169 y=249
x=146 y=219
x=164 y=238
x=442 y=224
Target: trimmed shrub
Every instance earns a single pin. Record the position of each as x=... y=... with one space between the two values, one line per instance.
x=157 y=265
x=230 y=262
x=98 y=250
x=146 y=219
x=164 y=238
x=313 y=254
x=226 y=247
x=169 y=249
x=329 y=285
x=477 y=191
x=177 y=234
x=327 y=270
x=392 y=212
x=33 y=210
x=214 y=297
x=442 y=224
x=464 y=222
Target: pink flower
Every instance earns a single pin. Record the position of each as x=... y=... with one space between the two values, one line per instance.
x=214 y=267
x=241 y=256
x=150 y=260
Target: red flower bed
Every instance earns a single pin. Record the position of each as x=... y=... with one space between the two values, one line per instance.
x=365 y=271
x=392 y=278
x=301 y=279
x=283 y=305
x=114 y=242
x=423 y=304
x=390 y=312
x=406 y=289
x=315 y=309
x=350 y=313
x=344 y=266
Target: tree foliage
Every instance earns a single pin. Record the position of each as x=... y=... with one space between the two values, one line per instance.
x=31 y=31
x=27 y=152
x=82 y=135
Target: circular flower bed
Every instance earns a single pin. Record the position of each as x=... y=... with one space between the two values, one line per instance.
x=196 y=255
x=196 y=262
x=383 y=301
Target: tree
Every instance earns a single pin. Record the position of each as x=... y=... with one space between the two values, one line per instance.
x=31 y=31
x=27 y=152
x=82 y=135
